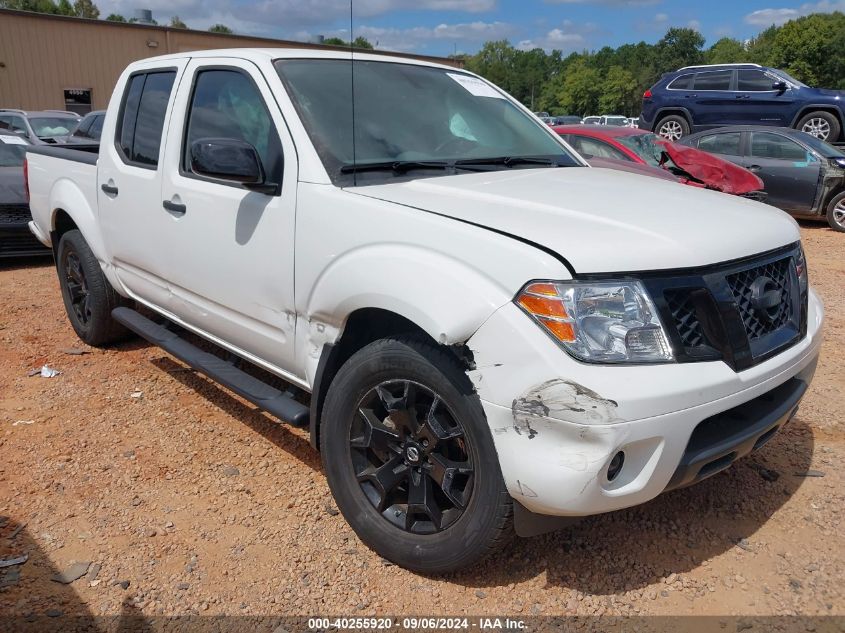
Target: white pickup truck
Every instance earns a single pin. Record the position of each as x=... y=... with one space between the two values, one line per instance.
x=491 y=335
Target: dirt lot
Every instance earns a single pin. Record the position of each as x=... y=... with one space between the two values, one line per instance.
x=186 y=500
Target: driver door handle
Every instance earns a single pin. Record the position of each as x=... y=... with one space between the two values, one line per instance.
x=174 y=207
x=109 y=189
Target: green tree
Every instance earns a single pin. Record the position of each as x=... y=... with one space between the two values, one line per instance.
x=678 y=48
x=620 y=93
x=86 y=9
x=495 y=62
x=580 y=89
x=761 y=47
x=727 y=51
x=220 y=28
x=812 y=48
x=177 y=23
x=114 y=17
x=334 y=41
x=359 y=42
x=64 y=7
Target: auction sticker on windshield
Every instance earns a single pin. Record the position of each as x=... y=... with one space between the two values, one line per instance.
x=476 y=86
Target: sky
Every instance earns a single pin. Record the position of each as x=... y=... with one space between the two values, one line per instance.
x=442 y=27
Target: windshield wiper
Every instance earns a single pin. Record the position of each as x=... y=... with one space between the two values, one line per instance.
x=507 y=161
x=396 y=166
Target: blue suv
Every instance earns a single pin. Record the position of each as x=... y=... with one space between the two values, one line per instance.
x=697 y=98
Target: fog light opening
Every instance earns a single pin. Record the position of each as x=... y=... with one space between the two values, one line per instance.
x=615 y=466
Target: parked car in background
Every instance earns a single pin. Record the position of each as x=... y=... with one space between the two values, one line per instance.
x=635 y=122
x=15 y=236
x=803 y=175
x=542 y=115
x=46 y=127
x=614 y=120
x=697 y=98
x=567 y=120
x=88 y=130
x=591 y=120
x=645 y=148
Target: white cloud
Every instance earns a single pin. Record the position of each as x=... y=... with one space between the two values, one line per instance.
x=618 y=3
x=567 y=38
x=768 y=17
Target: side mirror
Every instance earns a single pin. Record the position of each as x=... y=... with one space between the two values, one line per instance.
x=780 y=86
x=232 y=160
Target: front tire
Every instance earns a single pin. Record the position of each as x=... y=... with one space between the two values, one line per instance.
x=88 y=296
x=836 y=213
x=673 y=127
x=410 y=459
x=822 y=125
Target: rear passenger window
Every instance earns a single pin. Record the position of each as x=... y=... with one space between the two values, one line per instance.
x=715 y=80
x=142 y=117
x=769 y=145
x=684 y=82
x=753 y=81
x=227 y=104
x=721 y=143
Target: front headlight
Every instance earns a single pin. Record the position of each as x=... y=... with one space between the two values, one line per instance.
x=801 y=271
x=600 y=322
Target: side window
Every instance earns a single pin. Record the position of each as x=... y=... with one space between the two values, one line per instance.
x=82 y=130
x=96 y=129
x=684 y=82
x=227 y=104
x=17 y=124
x=713 y=80
x=142 y=117
x=593 y=148
x=753 y=81
x=4 y=122
x=721 y=143
x=769 y=145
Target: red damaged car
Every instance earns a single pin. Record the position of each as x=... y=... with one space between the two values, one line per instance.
x=617 y=146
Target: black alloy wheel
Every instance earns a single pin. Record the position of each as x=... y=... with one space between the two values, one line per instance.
x=77 y=286
x=410 y=457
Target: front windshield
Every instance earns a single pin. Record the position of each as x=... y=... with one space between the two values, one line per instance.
x=45 y=127
x=409 y=113
x=645 y=146
x=11 y=155
x=824 y=149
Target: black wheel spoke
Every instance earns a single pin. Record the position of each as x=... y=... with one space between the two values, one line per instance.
x=77 y=287
x=385 y=478
x=376 y=435
x=411 y=457
x=445 y=472
x=421 y=501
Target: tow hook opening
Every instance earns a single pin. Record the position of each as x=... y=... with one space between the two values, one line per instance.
x=615 y=466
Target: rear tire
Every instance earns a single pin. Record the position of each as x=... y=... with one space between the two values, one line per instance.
x=822 y=125
x=836 y=213
x=672 y=127
x=392 y=483
x=88 y=296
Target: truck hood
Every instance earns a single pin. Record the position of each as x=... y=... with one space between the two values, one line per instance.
x=601 y=220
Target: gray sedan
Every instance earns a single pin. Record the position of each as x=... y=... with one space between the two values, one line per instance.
x=803 y=175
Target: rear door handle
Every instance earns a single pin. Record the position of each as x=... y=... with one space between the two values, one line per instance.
x=175 y=208
x=109 y=189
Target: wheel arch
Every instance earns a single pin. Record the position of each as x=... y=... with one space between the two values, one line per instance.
x=821 y=107
x=669 y=111
x=362 y=327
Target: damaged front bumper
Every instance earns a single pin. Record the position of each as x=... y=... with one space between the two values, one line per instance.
x=558 y=423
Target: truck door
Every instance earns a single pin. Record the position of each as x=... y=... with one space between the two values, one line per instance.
x=129 y=179
x=230 y=249
x=790 y=172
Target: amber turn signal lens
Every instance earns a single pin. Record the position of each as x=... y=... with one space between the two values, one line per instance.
x=562 y=330
x=543 y=306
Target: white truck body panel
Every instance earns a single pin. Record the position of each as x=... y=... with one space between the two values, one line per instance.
x=275 y=279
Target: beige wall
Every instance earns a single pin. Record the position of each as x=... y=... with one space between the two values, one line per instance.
x=41 y=56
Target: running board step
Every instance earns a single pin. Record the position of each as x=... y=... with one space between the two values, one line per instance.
x=277 y=403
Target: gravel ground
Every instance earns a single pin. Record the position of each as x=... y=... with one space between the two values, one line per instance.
x=178 y=498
